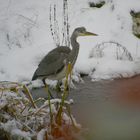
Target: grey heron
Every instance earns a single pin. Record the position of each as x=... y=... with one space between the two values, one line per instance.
x=53 y=65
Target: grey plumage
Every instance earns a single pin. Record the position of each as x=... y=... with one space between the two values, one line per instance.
x=53 y=65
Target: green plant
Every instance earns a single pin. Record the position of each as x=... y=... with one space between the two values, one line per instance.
x=65 y=93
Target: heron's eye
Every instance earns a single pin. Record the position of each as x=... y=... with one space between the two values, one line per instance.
x=83 y=30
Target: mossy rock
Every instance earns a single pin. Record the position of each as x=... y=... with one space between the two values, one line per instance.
x=136 y=23
x=135 y=14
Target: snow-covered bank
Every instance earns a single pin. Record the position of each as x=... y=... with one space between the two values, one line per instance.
x=25 y=37
x=22 y=118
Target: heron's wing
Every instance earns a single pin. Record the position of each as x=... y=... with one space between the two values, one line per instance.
x=53 y=62
x=54 y=55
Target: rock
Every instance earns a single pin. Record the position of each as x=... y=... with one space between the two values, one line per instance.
x=97 y=5
x=136 y=23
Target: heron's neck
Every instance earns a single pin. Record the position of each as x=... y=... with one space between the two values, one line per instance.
x=75 y=49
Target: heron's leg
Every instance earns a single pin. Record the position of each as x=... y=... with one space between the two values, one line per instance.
x=49 y=101
x=48 y=91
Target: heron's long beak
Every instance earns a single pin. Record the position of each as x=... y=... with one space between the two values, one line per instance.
x=88 y=34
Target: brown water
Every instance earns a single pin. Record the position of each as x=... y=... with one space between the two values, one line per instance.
x=110 y=110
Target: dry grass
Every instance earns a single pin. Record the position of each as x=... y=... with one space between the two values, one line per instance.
x=21 y=118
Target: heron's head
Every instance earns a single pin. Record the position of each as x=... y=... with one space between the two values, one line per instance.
x=81 y=31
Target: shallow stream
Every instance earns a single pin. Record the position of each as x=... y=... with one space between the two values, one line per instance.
x=108 y=109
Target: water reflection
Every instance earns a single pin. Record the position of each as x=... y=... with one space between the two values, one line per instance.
x=110 y=109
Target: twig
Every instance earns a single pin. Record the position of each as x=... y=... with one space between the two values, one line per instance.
x=30 y=96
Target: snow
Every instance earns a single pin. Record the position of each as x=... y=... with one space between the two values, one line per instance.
x=25 y=37
x=40 y=135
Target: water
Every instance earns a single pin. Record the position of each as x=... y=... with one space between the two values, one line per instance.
x=110 y=110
